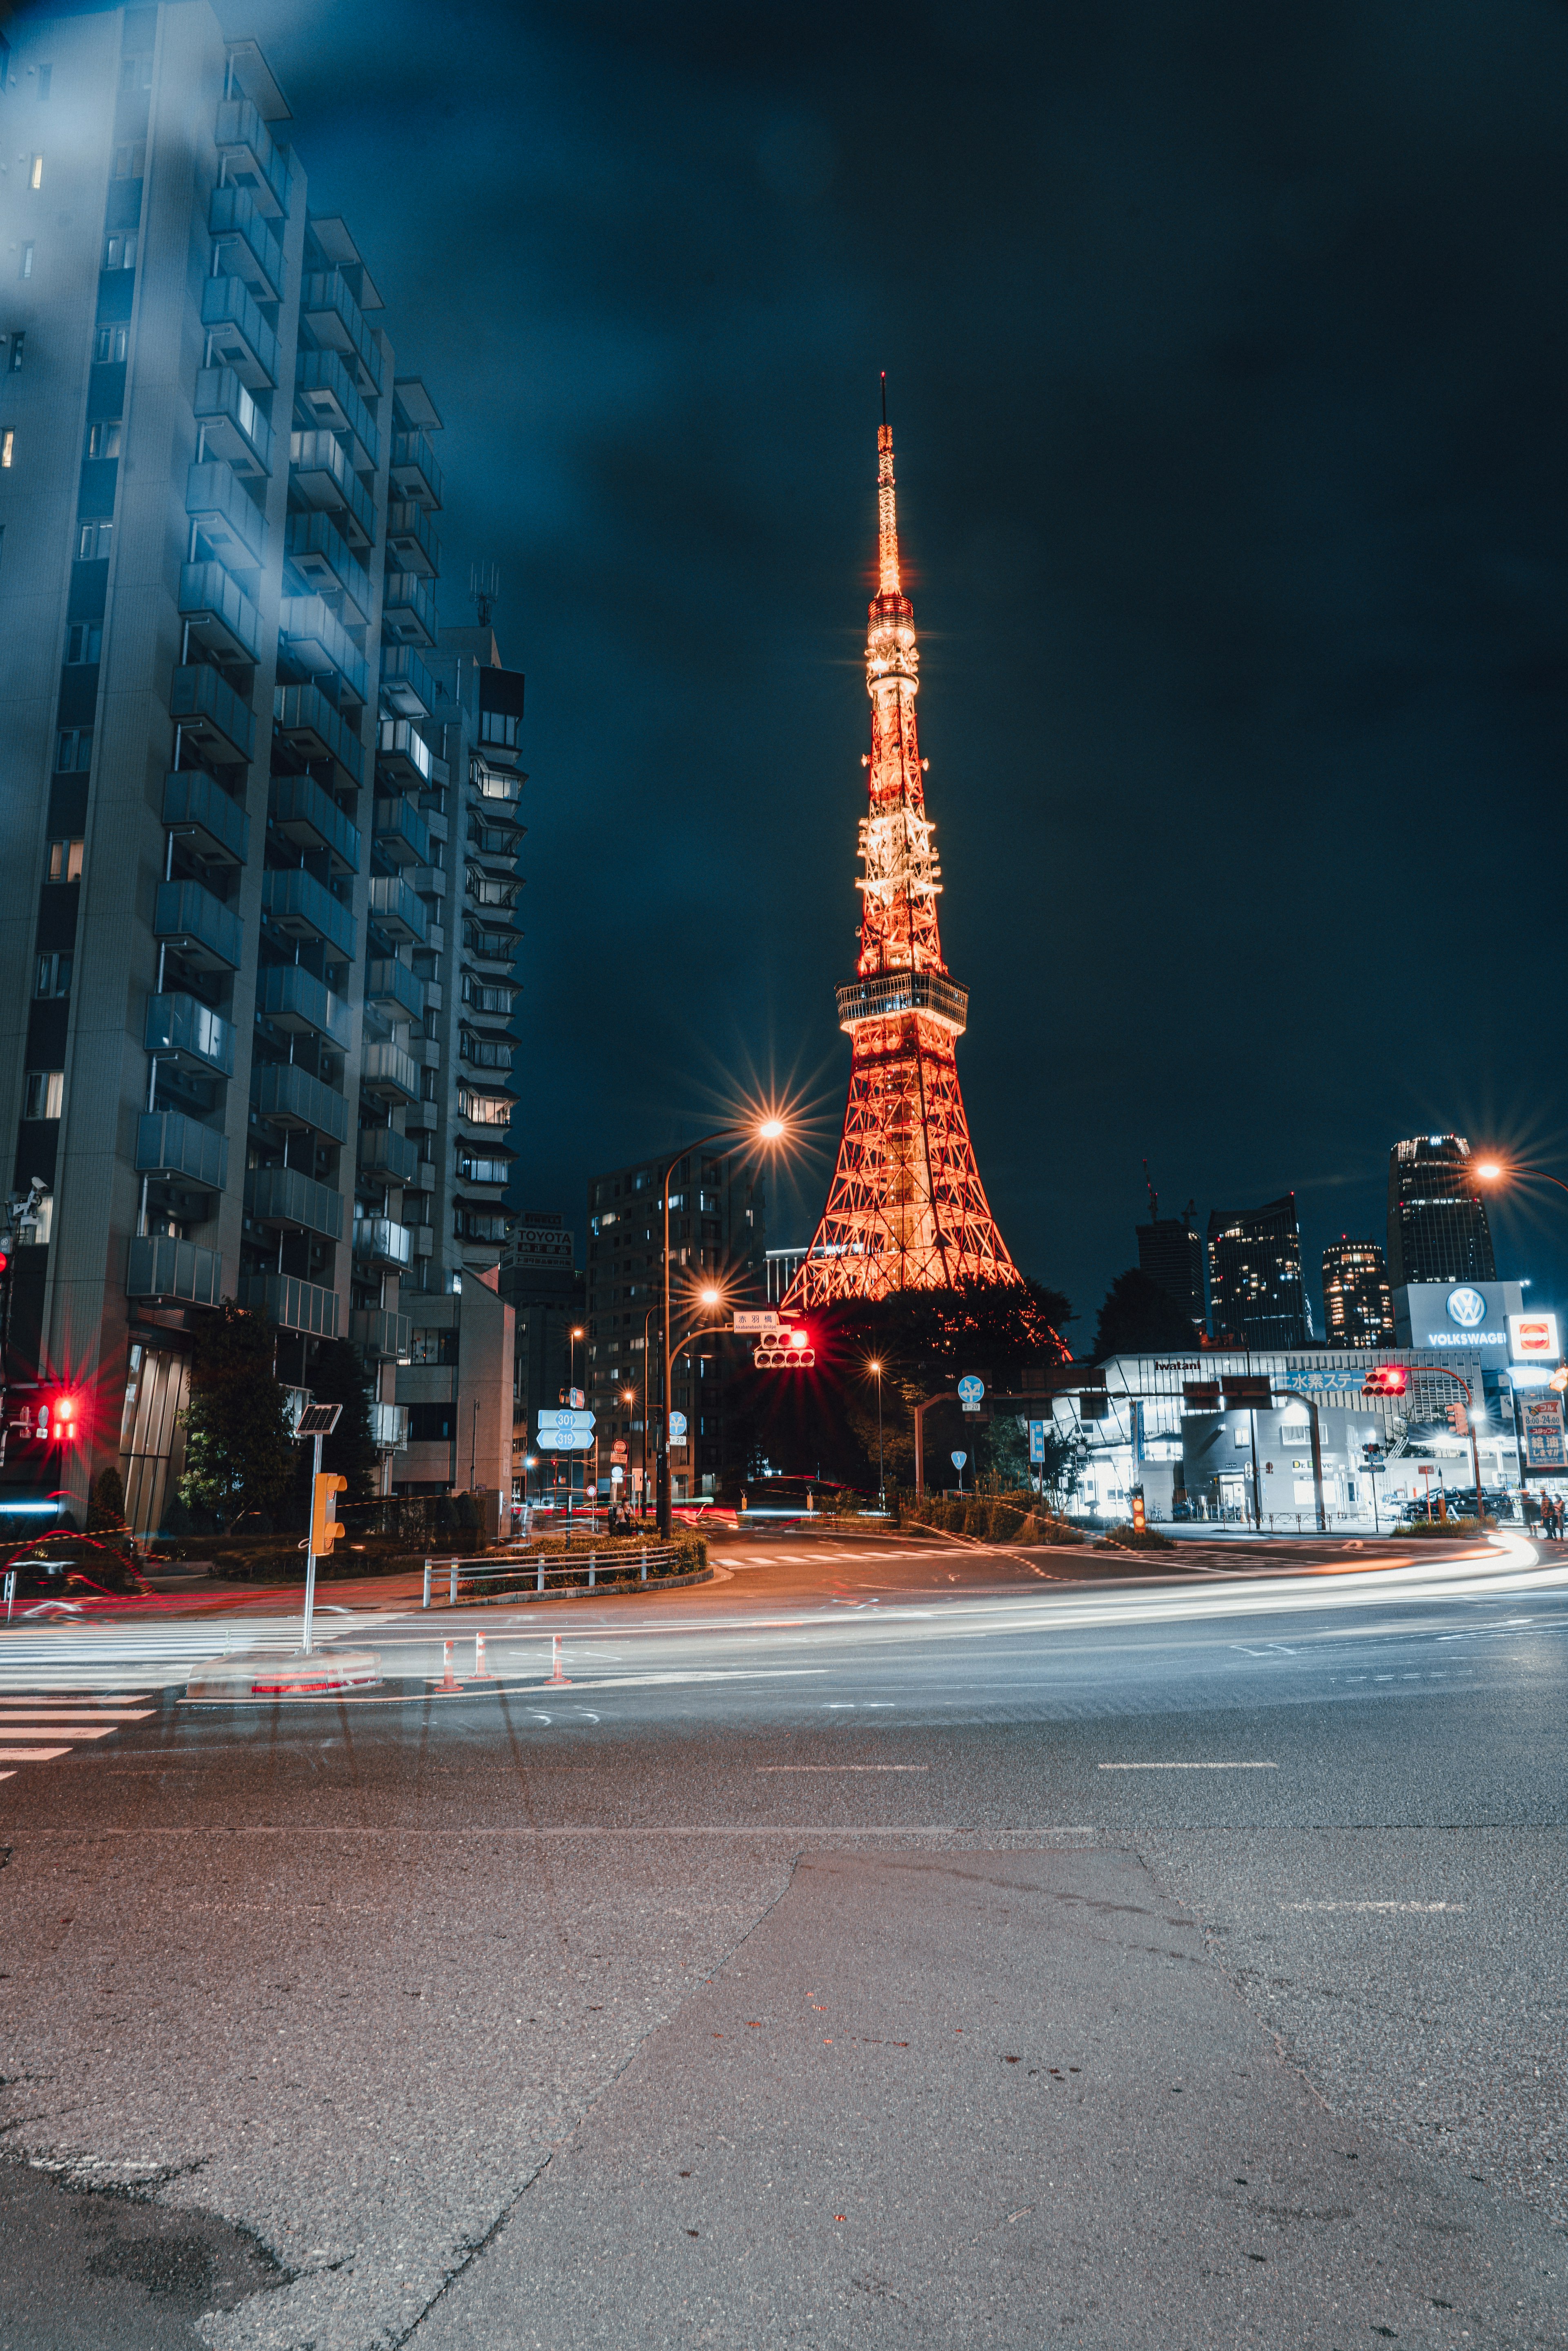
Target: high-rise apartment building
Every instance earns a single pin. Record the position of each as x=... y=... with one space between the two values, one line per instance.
x=258 y=810
x=1170 y=1251
x=1437 y=1228
x=1357 y=1301
x=718 y=1241
x=1255 y=1295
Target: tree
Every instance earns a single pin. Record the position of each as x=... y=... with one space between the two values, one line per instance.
x=1139 y=1318
x=238 y=1452
x=338 y=1376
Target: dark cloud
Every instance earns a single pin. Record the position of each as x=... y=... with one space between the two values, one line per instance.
x=1226 y=362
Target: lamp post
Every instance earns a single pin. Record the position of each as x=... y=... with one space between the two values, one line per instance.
x=769 y=1130
x=578 y=1333
x=875 y=1368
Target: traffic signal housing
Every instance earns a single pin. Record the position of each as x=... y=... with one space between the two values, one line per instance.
x=324 y=1529
x=1386 y=1379
x=1458 y=1421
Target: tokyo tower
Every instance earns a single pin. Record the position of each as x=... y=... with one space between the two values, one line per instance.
x=907 y=1209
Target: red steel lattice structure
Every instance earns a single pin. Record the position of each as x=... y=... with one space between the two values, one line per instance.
x=906 y=1209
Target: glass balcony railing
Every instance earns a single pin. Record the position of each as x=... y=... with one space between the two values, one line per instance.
x=397 y=910
x=163 y=1268
x=395 y=988
x=318 y=551
x=409 y=609
x=183 y=1029
x=293 y=999
x=239 y=337
x=287 y=1095
x=407 y=685
x=246 y=246
x=304 y=714
x=378 y=1240
x=181 y=1149
x=313 y=638
x=188 y=918
x=415 y=473
x=384 y=1152
x=212 y=713
x=302 y=812
x=389 y=1426
x=287 y=1197
x=245 y=144
x=292 y=1305
x=403 y=754
x=210 y=818
x=386 y=1073
x=320 y=471
x=296 y=903
x=411 y=541
x=232 y=426
x=324 y=385
x=221 y=615
x=337 y=319
x=383 y=1336
x=228 y=517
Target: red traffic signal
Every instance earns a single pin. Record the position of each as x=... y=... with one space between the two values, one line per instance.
x=1386 y=1379
x=5 y=1260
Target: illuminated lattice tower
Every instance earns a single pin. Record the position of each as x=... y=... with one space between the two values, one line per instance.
x=907 y=1209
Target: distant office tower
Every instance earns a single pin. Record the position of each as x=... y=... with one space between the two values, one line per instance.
x=1437 y=1228
x=1170 y=1251
x=541 y=1283
x=1255 y=1292
x=717 y=1239
x=1357 y=1302
x=258 y=812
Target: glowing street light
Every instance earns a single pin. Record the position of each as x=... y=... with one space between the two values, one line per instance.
x=875 y=1368
x=1496 y=1171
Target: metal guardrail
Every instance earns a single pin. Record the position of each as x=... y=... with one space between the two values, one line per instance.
x=555 y=1571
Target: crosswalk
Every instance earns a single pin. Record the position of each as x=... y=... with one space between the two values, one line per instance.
x=110 y=1657
x=767 y=1556
x=41 y=1726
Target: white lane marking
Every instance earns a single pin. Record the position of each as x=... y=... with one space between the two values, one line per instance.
x=842 y=1767
x=31 y=1754
x=8 y=1775
x=33 y=1717
x=787 y=1828
x=1372 y=1906
x=644 y=1681
x=1187 y=1767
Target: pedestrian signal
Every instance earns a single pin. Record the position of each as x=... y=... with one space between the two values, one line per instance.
x=324 y=1529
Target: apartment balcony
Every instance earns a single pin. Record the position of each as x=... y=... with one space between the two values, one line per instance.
x=234 y=426
x=246 y=246
x=210 y=818
x=402 y=753
x=303 y=714
x=318 y=551
x=422 y=1118
x=301 y=907
x=409 y=609
x=173 y=1272
x=388 y=1074
x=292 y=1305
x=336 y=321
x=321 y=473
x=382 y=1337
x=501 y=785
x=177 y=1148
x=389 y=1425
x=238 y=336
x=411 y=541
x=395 y=989
x=221 y=615
x=381 y=1242
x=292 y=1200
x=292 y=999
x=384 y=1153
x=302 y=812
x=286 y=1095
x=211 y=714
x=311 y=638
x=415 y=473
x=183 y=1029
x=323 y=385
x=396 y=910
x=407 y=685
x=400 y=834
x=227 y=516
x=254 y=164
x=188 y=918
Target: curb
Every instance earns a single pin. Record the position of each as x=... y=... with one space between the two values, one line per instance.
x=579 y=1591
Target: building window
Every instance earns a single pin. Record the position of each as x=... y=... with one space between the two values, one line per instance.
x=109 y=343
x=27 y=261
x=73 y=752
x=84 y=642
x=103 y=440
x=483 y=1171
x=46 y=1093
x=136 y=73
x=430 y=1424
x=7 y=447
x=18 y=344
x=64 y=860
x=93 y=542
x=434 y=1347
x=484 y=1109
x=498 y=726
x=119 y=252
x=35 y=176
x=130 y=161
x=53 y=975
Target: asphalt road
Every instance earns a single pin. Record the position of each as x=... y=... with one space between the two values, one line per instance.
x=892 y=1944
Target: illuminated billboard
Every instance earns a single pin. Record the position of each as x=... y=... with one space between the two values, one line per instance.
x=1532 y=1339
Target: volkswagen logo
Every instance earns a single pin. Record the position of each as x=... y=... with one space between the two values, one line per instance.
x=1466 y=1308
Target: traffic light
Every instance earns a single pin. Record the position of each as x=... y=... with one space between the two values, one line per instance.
x=324 y=1529
x=1386 y=1379
x=58 y=1419
x=788 y=1350
x=1458 y=1421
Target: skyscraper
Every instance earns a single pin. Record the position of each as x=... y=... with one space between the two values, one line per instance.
x=1255 y=1294
x=1437 y=1228
x=1357 y=1302
x=1170 y=1251
x=257 y=813
x=906 y=1209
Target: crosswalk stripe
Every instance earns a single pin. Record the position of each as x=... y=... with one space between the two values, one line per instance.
x=32 y=1717
x=31 y=1754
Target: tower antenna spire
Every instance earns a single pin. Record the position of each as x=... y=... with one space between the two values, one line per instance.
x=884 y=395
x=1153 y=1196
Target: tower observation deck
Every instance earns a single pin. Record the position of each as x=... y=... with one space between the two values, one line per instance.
x=906 y=1209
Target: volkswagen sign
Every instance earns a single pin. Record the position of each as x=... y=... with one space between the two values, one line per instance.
x=1467 y=1307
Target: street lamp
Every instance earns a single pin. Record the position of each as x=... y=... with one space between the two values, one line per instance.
x=875 y=1368
x=1496 y=1171
x=768 y=1129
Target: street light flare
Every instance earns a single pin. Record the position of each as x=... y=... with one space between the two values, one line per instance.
x=1487 y=1170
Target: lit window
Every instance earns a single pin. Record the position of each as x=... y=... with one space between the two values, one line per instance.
x=64 y=860
x=93 y=541
x=35 y=177
x=46 y=1093
x=54 y=977
x=109 y=343
x=7 y=447
x=27 y=261
x=73 y=753
x=84 y=642
x=119 y=252
x=103 y=440
x=18 y=344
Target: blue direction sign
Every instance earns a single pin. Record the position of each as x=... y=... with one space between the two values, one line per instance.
x=958 y=1459
x=971 y=1391
x=677 y=1428
x=561 y=1430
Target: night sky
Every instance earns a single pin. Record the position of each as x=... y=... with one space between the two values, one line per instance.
x=1225 y=365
